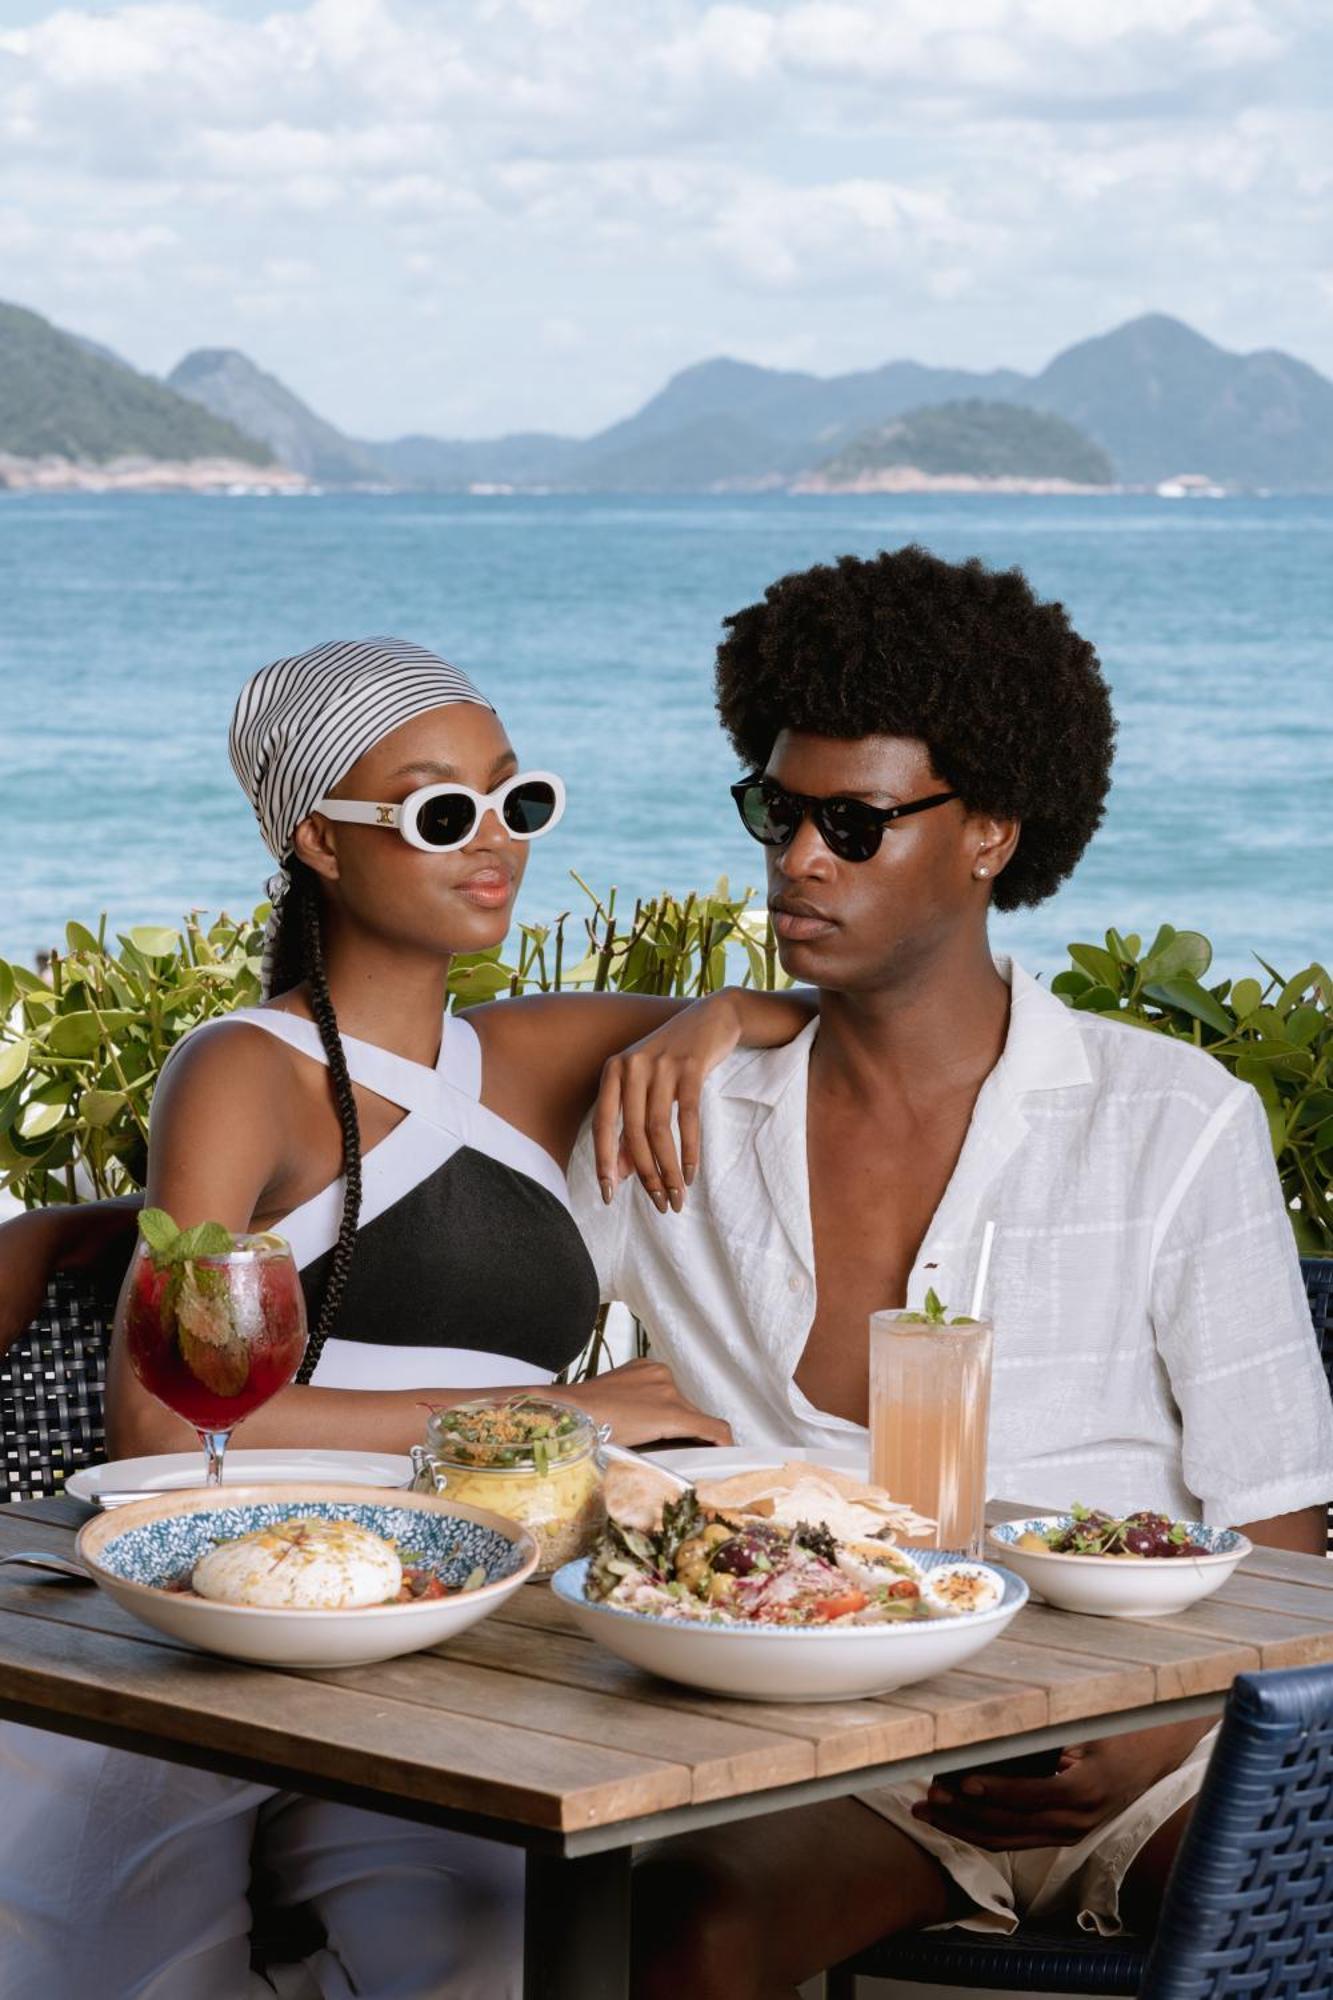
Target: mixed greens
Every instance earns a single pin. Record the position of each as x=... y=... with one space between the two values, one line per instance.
x=1091 y=1532
x=705 y=1565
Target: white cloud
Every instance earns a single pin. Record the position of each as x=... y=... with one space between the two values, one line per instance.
x=826 y=180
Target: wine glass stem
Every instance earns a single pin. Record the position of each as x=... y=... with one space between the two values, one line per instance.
x=215 y=1445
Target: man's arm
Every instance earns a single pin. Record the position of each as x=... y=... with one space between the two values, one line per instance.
x=35 y=1246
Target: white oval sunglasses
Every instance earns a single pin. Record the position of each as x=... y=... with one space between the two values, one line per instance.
x=436 y=818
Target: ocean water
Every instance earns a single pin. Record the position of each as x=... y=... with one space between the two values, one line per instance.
x=128 y=623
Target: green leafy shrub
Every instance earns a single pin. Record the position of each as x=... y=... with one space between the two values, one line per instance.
x=80 y=1052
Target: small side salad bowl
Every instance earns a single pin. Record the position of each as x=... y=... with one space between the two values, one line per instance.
x=785 y=1663
x=1117 y=1586
x=135 y=1552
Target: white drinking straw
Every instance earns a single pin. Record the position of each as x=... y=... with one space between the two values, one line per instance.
x=983 y=1269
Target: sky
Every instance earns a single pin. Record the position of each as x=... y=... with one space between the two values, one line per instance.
x=527 y=214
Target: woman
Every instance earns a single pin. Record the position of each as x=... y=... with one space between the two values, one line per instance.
x=416 y=1163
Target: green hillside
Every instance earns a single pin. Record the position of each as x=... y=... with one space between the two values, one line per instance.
x=980 y=439
x=57 y=396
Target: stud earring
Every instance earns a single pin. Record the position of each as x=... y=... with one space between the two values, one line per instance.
x=982 y=871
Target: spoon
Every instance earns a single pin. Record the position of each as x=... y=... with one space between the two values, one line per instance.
x=57 y=1565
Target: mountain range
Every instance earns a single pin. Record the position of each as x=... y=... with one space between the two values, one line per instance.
x=1147 y=401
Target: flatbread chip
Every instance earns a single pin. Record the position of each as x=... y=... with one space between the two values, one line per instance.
x=636 y=1494
x=850 y=1508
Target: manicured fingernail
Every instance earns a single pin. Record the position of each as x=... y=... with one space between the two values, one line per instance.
x=676 y=1199
x=974 y=1787
x=659 y=1200
x=607 y=1191
x=690 y=1171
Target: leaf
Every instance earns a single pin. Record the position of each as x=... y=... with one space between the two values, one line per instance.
x=1097 y=1000
x=158 y=1231
x=155 y=940
x=98 y=1107
x=1185 y=992
x=14 y=1058
x=1101 y=965
x=1071 y=981
x=206 y=1239
x=79 y=938
x=8 y=988
x=37 y=1120
x=1186 y=952
x=1246 y=996
x=76 y=1034
x=1304 y=1025
x=210 y=1345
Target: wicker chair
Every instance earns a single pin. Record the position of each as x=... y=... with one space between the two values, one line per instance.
x=52 y=1384
x=1248 y=1912
x=1032 y=1961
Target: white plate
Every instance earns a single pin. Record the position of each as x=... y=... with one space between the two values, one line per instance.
x=169 y=1472
x=133 y=1550
x=1119 y=1587
x=773 y=1663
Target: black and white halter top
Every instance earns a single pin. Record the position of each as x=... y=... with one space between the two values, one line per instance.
x=469 y=1269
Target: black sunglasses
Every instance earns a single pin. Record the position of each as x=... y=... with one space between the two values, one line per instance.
x=850 y=828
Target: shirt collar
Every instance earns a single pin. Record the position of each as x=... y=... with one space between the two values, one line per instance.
x=1043 y=1049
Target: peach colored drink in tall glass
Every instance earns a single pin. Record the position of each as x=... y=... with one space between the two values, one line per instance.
x=929 y=1417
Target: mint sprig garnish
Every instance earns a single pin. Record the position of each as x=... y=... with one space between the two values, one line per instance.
x=171 y=1245
x=934 y=1313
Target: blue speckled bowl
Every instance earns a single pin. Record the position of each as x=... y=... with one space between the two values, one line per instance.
x=137 y=1549
x=1119 y=1586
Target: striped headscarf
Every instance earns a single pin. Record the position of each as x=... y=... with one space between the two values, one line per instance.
x=300 y=724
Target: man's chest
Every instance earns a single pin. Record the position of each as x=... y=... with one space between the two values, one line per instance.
x=875 y=1185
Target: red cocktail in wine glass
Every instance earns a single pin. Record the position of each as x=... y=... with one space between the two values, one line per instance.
x=211 y=1330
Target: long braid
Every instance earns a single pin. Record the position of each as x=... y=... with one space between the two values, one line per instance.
x=306 y=947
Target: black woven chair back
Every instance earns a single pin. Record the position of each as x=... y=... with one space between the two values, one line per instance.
x=1318 y=1273
x=53 y=1389
x=1249 y=1906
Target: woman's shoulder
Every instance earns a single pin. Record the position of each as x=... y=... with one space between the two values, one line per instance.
x=233 y=1052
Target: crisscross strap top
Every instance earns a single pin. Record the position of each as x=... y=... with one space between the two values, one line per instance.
x=469 y=1268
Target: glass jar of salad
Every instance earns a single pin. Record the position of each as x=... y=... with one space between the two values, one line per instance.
x=531 y=1459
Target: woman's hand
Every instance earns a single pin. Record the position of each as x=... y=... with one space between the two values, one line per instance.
x=641 y=1403
x=641 y=1086
x=1094 y=1782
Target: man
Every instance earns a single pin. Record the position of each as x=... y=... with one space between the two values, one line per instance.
x=926 y=741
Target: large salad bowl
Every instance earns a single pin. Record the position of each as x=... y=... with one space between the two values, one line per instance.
x=781 y=1663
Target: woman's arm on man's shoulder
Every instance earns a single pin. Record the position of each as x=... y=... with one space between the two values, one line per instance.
x=645 y=1056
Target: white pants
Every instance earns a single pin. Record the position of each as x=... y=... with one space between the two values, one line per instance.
x=124 y=1878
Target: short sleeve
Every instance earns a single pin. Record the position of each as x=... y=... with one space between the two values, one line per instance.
x=1233 y=1328
x=602 y=1228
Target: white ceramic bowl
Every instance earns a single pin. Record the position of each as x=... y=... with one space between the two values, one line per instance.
x=1119 y=1586
x=775 y=1663
x=135 y=1549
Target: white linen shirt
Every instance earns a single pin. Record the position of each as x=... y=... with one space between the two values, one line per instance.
x=1153 y=1345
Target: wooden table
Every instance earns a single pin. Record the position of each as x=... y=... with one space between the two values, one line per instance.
x=522 y=1732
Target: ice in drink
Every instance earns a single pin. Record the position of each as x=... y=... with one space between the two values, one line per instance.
x=929 y=1418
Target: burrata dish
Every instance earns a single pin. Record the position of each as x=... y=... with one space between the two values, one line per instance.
x=302 y=1565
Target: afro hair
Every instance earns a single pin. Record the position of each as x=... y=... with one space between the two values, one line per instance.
x=1007 y=697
